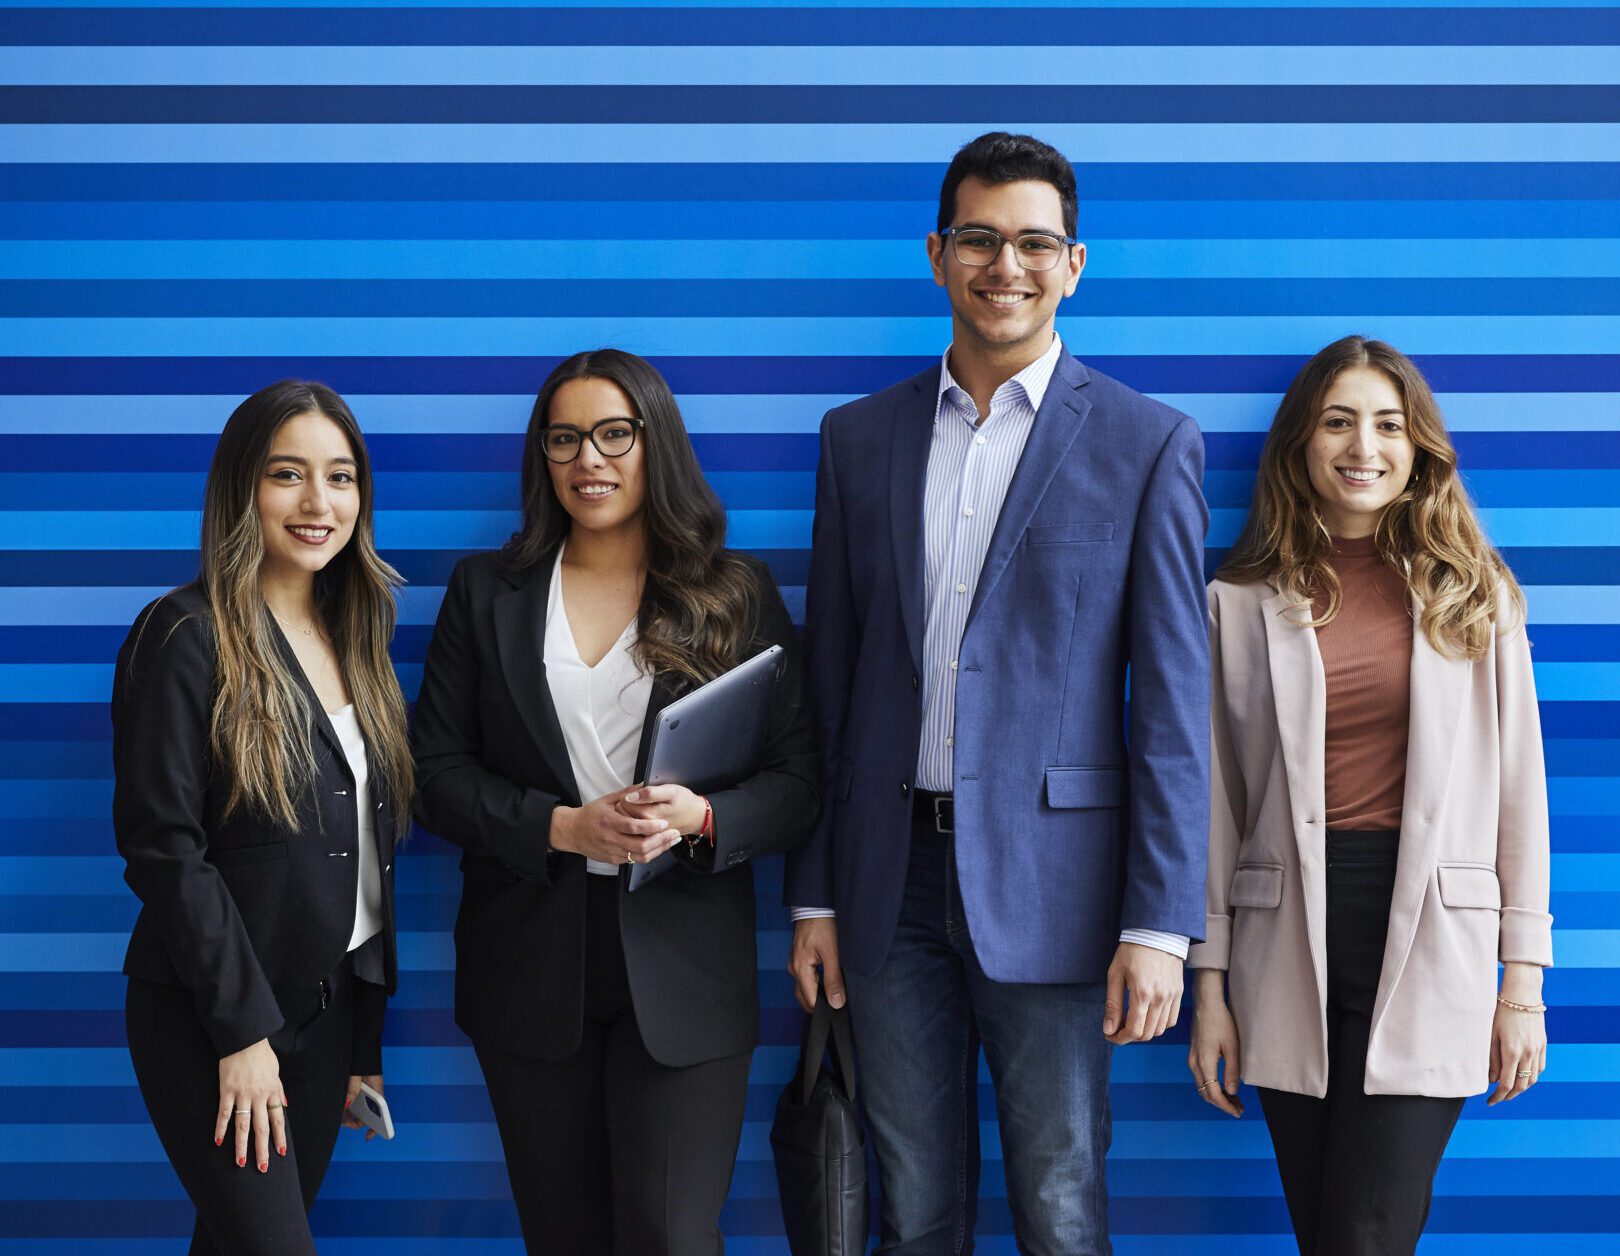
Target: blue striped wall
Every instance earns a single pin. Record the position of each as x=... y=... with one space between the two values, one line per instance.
x=426 y=204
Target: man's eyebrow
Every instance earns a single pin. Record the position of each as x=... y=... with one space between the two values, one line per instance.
x=983 y=226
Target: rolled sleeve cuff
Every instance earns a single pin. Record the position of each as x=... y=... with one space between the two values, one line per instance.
x=1174 y=943
x=1215 y=951
x=1526 y=937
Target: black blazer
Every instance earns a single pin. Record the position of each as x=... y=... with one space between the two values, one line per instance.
x=244 y=913
x=492 y=765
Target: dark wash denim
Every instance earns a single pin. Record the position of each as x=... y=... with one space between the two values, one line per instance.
x=919 y=1023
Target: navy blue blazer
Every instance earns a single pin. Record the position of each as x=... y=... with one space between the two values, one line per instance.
x=1070 y=824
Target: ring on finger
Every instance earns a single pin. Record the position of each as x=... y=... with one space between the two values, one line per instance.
x=1205 y=1086
x=629 y=856
x=272 y=1106
x=1524 y=1072
x=243 y=1112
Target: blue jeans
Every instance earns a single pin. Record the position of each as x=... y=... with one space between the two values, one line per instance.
x=919 y=1023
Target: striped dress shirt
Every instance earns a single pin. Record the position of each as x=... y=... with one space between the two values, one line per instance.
x=970 y=468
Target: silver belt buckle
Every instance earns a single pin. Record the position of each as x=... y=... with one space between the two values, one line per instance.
x=944 y=815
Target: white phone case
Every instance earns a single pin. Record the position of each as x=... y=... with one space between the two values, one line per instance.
x=371 y=1109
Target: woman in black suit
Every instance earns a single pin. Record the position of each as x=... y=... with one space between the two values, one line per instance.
x=614 y=1029
x=262 y=773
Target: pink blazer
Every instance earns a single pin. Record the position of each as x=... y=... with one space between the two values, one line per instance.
x=1472 y=870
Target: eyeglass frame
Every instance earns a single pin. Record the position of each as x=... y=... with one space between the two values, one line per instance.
x=951 y=233
x=635 y=425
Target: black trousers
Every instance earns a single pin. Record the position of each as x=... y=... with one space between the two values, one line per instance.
x=1357 y=1169
x=611 y=1153
x=240 y=1211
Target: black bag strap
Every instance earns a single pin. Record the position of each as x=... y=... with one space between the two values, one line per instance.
x=827 y=1018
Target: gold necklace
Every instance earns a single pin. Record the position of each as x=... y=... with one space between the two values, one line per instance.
x=308 y=632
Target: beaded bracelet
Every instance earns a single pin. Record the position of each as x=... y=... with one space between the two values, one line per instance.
x=1521 y=1007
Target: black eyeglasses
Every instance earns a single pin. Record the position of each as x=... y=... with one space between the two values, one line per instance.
x=979 y=246
x=613 y=438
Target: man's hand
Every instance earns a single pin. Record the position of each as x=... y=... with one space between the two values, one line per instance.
x=1152 y=978
x=815 y=945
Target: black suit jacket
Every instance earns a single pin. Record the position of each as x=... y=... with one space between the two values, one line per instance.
x=244 y=913
x=492 y=765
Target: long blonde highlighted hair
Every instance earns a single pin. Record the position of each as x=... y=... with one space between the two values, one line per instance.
x=1430 y=532
x=262 y=725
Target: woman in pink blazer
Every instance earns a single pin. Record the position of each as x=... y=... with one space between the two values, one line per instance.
x=1378 y=833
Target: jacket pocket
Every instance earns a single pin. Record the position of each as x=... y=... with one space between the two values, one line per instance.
x=1256 y=885
x=1470 y=885
x=1071 y=788
x=235 y=856
x=1069 y=533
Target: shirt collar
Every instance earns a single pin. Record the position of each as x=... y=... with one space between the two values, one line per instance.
x=1033 y=379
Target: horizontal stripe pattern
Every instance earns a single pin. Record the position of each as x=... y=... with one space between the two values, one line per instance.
x=427 y=202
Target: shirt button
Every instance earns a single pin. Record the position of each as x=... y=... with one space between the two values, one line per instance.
x=953 y=665
x=961 y=588
x=950 y=741
x=978 y=440
x=904 y=789
x=968 y=511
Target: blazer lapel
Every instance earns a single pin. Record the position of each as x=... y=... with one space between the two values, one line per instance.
x=1299 y=692
x=1439 y=688
x=1057 y=423
x=908 y=469
x=323 y=725
x=520 y=640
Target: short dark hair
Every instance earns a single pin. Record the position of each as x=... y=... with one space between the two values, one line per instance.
x=1000 y=157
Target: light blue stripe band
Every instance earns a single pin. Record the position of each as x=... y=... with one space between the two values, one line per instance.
x=62 y=606
x=805 y=142
x=818 y=337
x=469 y=413
x=767 y=66
x=788 y=259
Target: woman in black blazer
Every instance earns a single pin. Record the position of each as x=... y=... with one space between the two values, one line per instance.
x=262 y=773
x=614 y=1028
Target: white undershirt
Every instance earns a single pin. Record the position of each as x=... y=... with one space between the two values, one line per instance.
x=601 y=709
x=368 y=914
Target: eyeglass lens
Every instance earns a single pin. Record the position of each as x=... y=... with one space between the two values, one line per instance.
x=980 y=247
x=612 y=437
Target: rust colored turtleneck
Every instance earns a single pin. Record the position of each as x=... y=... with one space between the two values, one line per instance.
x=1367 y=654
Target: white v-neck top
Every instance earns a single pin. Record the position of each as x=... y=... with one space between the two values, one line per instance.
x=368 y=914
x=601 y=709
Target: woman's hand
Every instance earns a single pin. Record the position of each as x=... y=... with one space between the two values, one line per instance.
x=1214 y=1039
x=350 y=1121
x=600 y=830
x=251 y=1099
x=679 y=806
x=1518 y=1039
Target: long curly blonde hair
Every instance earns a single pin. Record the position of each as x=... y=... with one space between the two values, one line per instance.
x=1431 y=532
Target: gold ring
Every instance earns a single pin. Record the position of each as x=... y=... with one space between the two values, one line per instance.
x=272 y=1106
x=1524 y=1072
x=629 y=857
x=1205 y=1087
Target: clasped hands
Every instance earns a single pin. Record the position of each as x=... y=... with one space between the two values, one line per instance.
x=634 y=824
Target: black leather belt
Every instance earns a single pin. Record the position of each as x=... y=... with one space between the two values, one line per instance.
x=934 y=811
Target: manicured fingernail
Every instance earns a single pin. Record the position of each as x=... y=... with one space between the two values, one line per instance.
x=346 y=1104
x=264 y=1166
x=281 y=1151
x=241 y=1162
x=632 y=797
x=219 y=1142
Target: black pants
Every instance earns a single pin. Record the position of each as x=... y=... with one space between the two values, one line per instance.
x=611 y=1153
x=1357 y=1169
x=240 y=1211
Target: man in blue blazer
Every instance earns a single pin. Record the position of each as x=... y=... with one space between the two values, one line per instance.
x=1005 y=858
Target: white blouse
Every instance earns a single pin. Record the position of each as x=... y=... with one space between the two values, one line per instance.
x=368 y=912
x=601 y=709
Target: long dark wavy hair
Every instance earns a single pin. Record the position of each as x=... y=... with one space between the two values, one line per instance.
x=699 y=602
x=1430 y=532
x=262 y=722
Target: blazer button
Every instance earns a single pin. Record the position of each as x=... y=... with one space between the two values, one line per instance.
x=905 y=789
x=915 y=683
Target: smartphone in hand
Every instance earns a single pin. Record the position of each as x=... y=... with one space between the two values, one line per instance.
x=371 y=1110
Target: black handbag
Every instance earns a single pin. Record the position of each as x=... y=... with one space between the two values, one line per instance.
x=819 y=1148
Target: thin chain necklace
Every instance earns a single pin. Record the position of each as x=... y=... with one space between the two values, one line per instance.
x=308 y=632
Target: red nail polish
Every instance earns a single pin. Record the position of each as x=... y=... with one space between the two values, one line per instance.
x=219 y=1142
x=241 y=1162
x=281 y=1151
x=264 y=1166
x=346 y=1104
